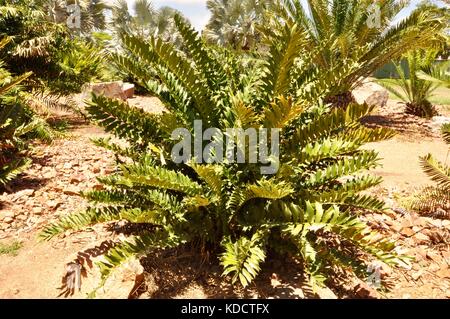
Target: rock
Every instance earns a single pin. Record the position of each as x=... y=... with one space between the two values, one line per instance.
x=109 y=171
x=274 y=281
x=67 y=166
x=371 y=93
x=6 y=213
x=8 y=220
x=444 y=272
x=396 y=227
x=38 y=210
x=23 y=193
x=364 y=291
x=416 y=275
x=75 y=179
x=438 y=121
x=128 y=90
x=326 y=293
x=96 y=169
x=72 y=190
x=22 y=217
x=49 y=174
x=98 y=187
x=53 y=204
x=408 y=232
x=407 y=222
x=112 y=90
x=421 y=238
x=123 y=282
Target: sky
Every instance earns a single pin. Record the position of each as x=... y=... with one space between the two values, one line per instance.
x=198 y=14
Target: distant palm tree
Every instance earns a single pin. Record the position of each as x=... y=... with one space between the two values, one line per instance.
x=92 y=12
x=234 y=22
x=146 y=20
x=412 y=90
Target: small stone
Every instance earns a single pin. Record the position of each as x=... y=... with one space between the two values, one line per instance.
x=407 y=223
x=6 y=213
x=444 y=272
x=72 y=190
x=363 y=290
x=67 y=166
x=421 y=237
x=75 y=179
x=408 y=232
x=416 y=275
x=38 y=210
x=8 y=220
x=22 y=217
x=396 y=228
x=53 y=204
x=98 y=187
x=109 y=170
x=96 y=169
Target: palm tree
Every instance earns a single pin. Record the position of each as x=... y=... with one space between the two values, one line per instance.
x=235 y=23
x=146 y=21
x=415 y=92
x=348 y=36
x=92 y=13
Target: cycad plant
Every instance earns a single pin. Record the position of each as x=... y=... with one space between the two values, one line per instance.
x=10 y=164
x=415 y=92
x=144 y=20
x=308 y=207
x=435 y=200
x=361 y=33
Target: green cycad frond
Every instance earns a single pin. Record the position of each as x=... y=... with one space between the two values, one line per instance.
x=123 y=120
x=327 y=124
x=437 y=171
x=432 y=201
x=437 y=74
x=314 y=218
x=201 y=56
x=243 y=257
x=446 y=133
x=363 y=160
x=276 y=80
x=7 y=84
x=141 y=174
x=266 y=189
x=212 y=175
x=117 y=149
x=280 y=113
x=11 y=170
x=137 y=247
x=78 y=221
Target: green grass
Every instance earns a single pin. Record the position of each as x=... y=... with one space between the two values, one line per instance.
x=11 y=249
x=440 y=96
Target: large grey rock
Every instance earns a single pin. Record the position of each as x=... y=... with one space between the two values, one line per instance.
x=371 y=93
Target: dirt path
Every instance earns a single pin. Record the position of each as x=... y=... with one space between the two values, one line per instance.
x=400 y=160
x=50 y=187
